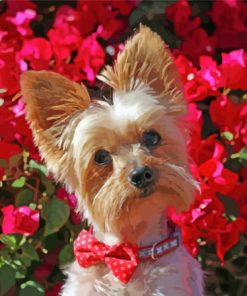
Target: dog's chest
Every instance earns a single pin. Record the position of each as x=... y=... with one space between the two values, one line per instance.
x=176 y=274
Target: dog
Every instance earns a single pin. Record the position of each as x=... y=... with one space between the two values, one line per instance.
x=125 y=159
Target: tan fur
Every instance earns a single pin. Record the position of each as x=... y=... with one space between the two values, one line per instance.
x=51 y=101
x=146 y=58
x=69 y=129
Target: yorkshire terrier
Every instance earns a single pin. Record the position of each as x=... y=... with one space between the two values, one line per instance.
x=126 y=161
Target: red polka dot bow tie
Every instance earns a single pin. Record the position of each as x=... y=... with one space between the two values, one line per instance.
x=121 y=258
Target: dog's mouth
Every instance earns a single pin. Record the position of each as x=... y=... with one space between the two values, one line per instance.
x=147 y=191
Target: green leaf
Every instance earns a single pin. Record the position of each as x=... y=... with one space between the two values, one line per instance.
x=34 y=165
x=56 y=213
x=31 y=288
x=13 y=241
x=49 y=186
x=28 y=252
x=14 y=160
x=20 y=268
x=241 y=154
x=231 y=207
x=227 y=136
x=1 y=101
x=7 y=278
x=238 y=288
x=4 y=163
x=66 y=255
x=19 y=183
x=24 y=197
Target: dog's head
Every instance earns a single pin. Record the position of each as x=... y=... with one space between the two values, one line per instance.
x=118 y=156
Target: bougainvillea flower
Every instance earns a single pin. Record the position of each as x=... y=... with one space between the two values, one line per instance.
x=91 y=57
x=226 y=15
x=235 y=122
x=210 y=72
x=198 y=43
x=37 y=52
x=8 y=150
x=228 y=239
x=179 y=14
x=22 y=220
x=64 y=40
x=234 y=69
x=70 y=199
x=225 y=182
x=22 y=20
x=239 y=195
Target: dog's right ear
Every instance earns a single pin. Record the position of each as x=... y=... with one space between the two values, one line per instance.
x=51 y=102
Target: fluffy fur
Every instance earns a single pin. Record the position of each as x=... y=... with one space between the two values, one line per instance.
x=69 y=129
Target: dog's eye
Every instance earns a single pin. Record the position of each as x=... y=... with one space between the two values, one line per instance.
x=102 y=157
x=151 y=139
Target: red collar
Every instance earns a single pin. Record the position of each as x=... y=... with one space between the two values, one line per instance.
x=160 y=249
x=121 y=258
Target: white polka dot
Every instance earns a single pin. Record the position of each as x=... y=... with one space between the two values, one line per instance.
x=115 y=263
x=122 y=268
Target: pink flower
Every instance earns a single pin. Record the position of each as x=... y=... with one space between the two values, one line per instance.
x=90 y=57
x=234 y=69
x=38 y=52
x=21 y=220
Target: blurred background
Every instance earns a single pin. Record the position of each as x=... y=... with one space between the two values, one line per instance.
x=77 y=38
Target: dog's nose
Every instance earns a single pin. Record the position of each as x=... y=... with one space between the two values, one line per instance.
x=141 y=177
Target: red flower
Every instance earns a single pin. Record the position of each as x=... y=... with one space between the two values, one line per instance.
x=198 y=43
x=230 y=18
x=8 y=150
x=239 y=195
x=198 y=84
x=231 y=236
x=235 y=121
x=22 y=20
x=38 y=52
x=203 y=150
x=234 y=69
x=90 y=57
x=54 y=291
x=224 y=182
x=210 y=72
x=179 y=14
x=21 y=220
x=84 y=21
x=71 y=200
x=225 y=15
x=64 y=40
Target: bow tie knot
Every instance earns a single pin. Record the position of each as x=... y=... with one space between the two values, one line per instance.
x=121 y=258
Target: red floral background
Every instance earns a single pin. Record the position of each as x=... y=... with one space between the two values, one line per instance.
x=76 y=39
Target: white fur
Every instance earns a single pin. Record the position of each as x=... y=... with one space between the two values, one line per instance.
x=175 y=274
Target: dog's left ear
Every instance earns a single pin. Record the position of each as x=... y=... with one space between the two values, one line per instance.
x=51 y=102
x=147 y=60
